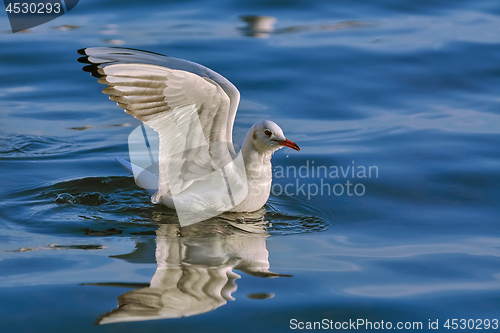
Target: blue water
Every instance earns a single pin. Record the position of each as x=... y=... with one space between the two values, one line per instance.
x=408 y=91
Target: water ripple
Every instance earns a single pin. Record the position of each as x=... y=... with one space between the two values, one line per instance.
x=22 y=145
x=95 y=205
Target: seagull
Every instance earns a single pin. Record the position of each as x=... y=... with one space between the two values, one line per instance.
x=192 y=108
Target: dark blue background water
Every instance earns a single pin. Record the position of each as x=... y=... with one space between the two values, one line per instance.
x=408 y=87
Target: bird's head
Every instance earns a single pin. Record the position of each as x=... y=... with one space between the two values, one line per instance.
x=268 y=137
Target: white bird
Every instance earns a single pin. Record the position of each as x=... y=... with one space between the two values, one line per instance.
x=193 y=110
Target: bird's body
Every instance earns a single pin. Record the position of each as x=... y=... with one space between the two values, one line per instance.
x=192 y=108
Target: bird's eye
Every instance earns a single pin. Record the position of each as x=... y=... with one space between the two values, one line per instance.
x=267 y=132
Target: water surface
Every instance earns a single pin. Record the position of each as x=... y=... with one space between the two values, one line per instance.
x=408 y=89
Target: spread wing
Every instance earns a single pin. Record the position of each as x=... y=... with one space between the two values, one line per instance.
x=190 y=106
x=100 y=57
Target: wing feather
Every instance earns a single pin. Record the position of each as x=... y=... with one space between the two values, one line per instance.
x=99 y=57
x=166 y=98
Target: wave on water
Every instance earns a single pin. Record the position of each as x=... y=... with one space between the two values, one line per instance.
x=98 y=204
x=23 y=145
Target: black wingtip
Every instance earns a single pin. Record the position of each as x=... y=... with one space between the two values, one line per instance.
x=90 y=67
x=93 y=70
x=84 y=60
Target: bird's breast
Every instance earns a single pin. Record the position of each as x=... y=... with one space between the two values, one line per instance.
x=259 y=178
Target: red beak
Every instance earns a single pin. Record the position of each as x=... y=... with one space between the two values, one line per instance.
x=288 y=143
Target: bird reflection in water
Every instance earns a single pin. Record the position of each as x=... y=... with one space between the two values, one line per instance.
x=195 y=268
x=260 y=26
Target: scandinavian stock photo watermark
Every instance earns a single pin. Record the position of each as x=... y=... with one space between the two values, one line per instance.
x=334 y=180
x=27 y=14
x=221 y=178
x=370 y=325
